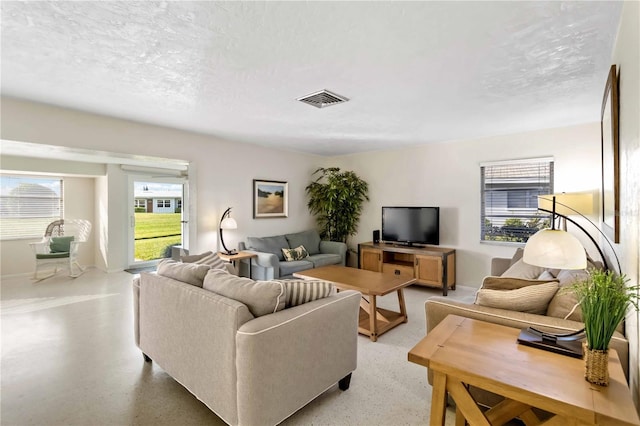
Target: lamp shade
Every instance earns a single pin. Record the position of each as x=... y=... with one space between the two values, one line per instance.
x=228 y=223
x=551 y=248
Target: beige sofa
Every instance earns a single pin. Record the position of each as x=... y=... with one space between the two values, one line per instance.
x=438 y=307
x=248 y=370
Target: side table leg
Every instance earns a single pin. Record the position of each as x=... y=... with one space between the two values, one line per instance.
x=438 y=399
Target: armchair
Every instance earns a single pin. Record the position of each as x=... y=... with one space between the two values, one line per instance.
x=60 y=246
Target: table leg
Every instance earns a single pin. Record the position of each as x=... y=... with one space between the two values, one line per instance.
x=403 y=307
x=438 y=399
x=373 y=318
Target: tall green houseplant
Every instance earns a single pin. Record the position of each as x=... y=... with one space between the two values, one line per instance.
x=336 y=199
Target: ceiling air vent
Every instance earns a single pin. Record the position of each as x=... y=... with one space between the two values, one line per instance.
x=323 y=98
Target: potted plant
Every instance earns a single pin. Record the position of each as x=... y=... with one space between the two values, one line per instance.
x=336 y=199
x=605 y=299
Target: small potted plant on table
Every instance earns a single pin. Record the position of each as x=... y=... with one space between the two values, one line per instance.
x=605 y=299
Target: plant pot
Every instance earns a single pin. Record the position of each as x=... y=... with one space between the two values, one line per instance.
x=596 y=366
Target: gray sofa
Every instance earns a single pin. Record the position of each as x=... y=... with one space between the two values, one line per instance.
x=249 y=370
x=437 y=308
x=270 y=263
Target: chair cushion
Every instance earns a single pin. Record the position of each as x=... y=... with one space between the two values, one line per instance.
x=303 y=291
x=297 y=253
x=309 y=239
x=288 y=268
x=320 y=259
x=272 y=245
x=189 y=273
x=57 y=255
x=60 y=244
x=261 y=297
x=533 y=299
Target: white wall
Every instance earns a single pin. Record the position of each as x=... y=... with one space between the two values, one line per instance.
x=448 y=175
x=627 y=58
x=221 y=173
x=17 y=256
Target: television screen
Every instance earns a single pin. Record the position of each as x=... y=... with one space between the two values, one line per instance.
x=411 y=225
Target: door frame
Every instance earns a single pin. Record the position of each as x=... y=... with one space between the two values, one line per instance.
x=185 y=213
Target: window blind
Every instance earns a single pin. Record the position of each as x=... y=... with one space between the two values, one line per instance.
x=509 y=210
x=28 y=204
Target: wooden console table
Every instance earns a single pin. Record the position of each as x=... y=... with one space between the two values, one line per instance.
x=462 y=351
x=431 y=266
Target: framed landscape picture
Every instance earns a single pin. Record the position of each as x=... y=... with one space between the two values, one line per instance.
x=610 y=159
x=270 y=198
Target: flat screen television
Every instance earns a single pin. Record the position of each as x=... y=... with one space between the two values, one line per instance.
x=411 y=225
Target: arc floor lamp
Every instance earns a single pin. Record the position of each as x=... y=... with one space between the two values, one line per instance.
x=227 y=222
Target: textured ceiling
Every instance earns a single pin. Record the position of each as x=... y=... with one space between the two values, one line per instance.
x=415 y=72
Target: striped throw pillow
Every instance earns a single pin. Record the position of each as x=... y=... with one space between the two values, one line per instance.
x=213 y=260
x=303 y=291
x=533 y=299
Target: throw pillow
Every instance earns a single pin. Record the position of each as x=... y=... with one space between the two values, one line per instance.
x=297 y=253
x=60 y=244
x=304 y=291
x=510 y=283
x=523 y=270
x=261 y=297
x=565 y=303
x=532 y=299
x=189 y=273
x=517 y=256
x=194 y=257
x=213 y=260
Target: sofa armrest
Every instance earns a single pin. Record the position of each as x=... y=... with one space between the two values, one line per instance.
x=265 y=266
x=437 y=308
x=334 y=247
x=499 y=265
x=286 y=359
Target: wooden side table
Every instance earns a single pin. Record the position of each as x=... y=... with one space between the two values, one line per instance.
x=462 y=351
x=236 y=257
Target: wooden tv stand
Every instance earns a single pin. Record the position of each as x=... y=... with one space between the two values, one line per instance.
x=431 y=266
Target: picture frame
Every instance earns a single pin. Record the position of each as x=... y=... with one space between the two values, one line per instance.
x=270 y=199
x=609 y=128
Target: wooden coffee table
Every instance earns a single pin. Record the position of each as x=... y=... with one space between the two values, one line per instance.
x=462 y=352
x=374 y=321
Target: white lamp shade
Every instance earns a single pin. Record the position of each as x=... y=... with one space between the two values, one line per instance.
x=228 y=223
x=551 y=248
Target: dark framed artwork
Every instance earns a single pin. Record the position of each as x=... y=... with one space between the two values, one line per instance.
x=270 y=198
x=610 y=158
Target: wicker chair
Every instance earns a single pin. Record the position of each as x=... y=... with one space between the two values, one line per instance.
x=60 y=246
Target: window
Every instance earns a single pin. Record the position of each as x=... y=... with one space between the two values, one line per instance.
x=163 y=203
x=509 y=210
x=179 y=204
x=28 y=204
x=140 y=203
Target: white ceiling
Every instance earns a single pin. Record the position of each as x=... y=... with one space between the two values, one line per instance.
x=415 y=72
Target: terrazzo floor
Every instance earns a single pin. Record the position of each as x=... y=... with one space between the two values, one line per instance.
x=69 y=358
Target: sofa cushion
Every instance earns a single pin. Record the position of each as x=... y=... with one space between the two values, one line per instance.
x=261 y=297
x=288 y=268
x=297 y=253
x=309 y=239
x=303 y=291
x=523 y=270
x=189 y=273
x=532 y=299
x=510 y=283
x=323 y=259
x=565 y=303
x=272 y=245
